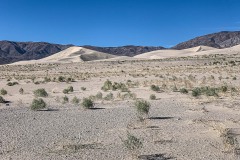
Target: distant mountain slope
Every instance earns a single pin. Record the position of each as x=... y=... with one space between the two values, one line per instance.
x=17 y=51
x=125 y=50
x=223 y=39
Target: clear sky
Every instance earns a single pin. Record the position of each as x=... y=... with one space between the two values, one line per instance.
x=116 y=22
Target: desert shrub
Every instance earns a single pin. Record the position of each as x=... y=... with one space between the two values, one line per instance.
x=47 y=79
x=128 y=95
x=21 y=91
x=211 y=92
x=65 y=91
x=61 y=79
x=99 y=95
x=70 y=88
x=38 y=104
x=155 y=88
x=109 y=97
x=87 y=103
x=183 y=91
x=132 y=143
x=2 y=100
x=152 y=96
x=174 y=89
x=12 y=83
x=65 y=99
x=142 y=107
x=224 y=89
x=69 y=79
x=40 y=93
x=234 y=78
x=3 y=91
x=83 y=88
x=75 y=100
x=107 y=85
x=196 y=92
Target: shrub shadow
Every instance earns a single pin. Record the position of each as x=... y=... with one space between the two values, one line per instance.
x=154 y=157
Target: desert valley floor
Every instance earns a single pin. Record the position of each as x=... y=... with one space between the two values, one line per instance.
x=194 y=115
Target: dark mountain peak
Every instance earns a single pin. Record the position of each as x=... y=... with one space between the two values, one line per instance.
x=222 y=39
x=129 y=50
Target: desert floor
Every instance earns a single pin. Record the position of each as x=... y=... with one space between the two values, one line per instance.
x=180 y=126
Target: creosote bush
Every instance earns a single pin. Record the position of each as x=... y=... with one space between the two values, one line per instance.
x=83 y=88
x=142 y=107
x=87 y=103
x=183 y=91
x=132 y=143
x=3 y=91
x=38 y=104
x=65 y=99
x=155 y=88
x=12 y=83
x=75 y=100
x=109 y=97
x=21 y=91
x=2 y=100
x=152 y=97
x=40 y=93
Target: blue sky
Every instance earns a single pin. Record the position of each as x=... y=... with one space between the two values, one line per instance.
x=116 y=22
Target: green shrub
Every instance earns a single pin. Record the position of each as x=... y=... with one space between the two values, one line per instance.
x=107 y=86
x=61 y=79
x=99 y=95
x=3 y=91
x=142 y=107
x=47 y=79
x=2 y=100
x=183 y=91
x=224 y=89
x=12 y=83
x=40 y=93
x=38 y=104
x=65 y=99
x=152 y=96
x=234 y=78
x=65 y=91
x=83 y=88
x=21 y=91
x=132 y=143
x=87 y=103
x=70 y=88
x=155 y=88
x=75 y=100
x=109 y=97
x=196 y=92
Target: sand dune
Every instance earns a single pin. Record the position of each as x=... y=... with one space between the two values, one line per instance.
x=80 y=54
x=200 y=50
x=72 y=54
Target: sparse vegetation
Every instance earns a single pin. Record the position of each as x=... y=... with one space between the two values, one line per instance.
x=83 y=88
x=133 y=144
x=21 y=91
x=3 y=91
x=87 y=103
x=155 y=88
x=2 y=100
x=12 y=83
x=152 y=97
x=38 y=104
x=142 y=107
x=65 y=99
x=183 y=91
x=40 y=93
x=75 y=100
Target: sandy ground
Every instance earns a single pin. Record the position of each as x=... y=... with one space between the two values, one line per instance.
x=179 y=126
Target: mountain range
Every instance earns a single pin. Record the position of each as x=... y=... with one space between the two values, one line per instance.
x=17 y=51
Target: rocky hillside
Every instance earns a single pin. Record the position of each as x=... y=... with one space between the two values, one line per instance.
x=17 y=51
x=125 y=50
x=223 y=39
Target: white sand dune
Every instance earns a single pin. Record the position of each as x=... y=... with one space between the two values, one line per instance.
x=69 y=55
x=200 y=50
